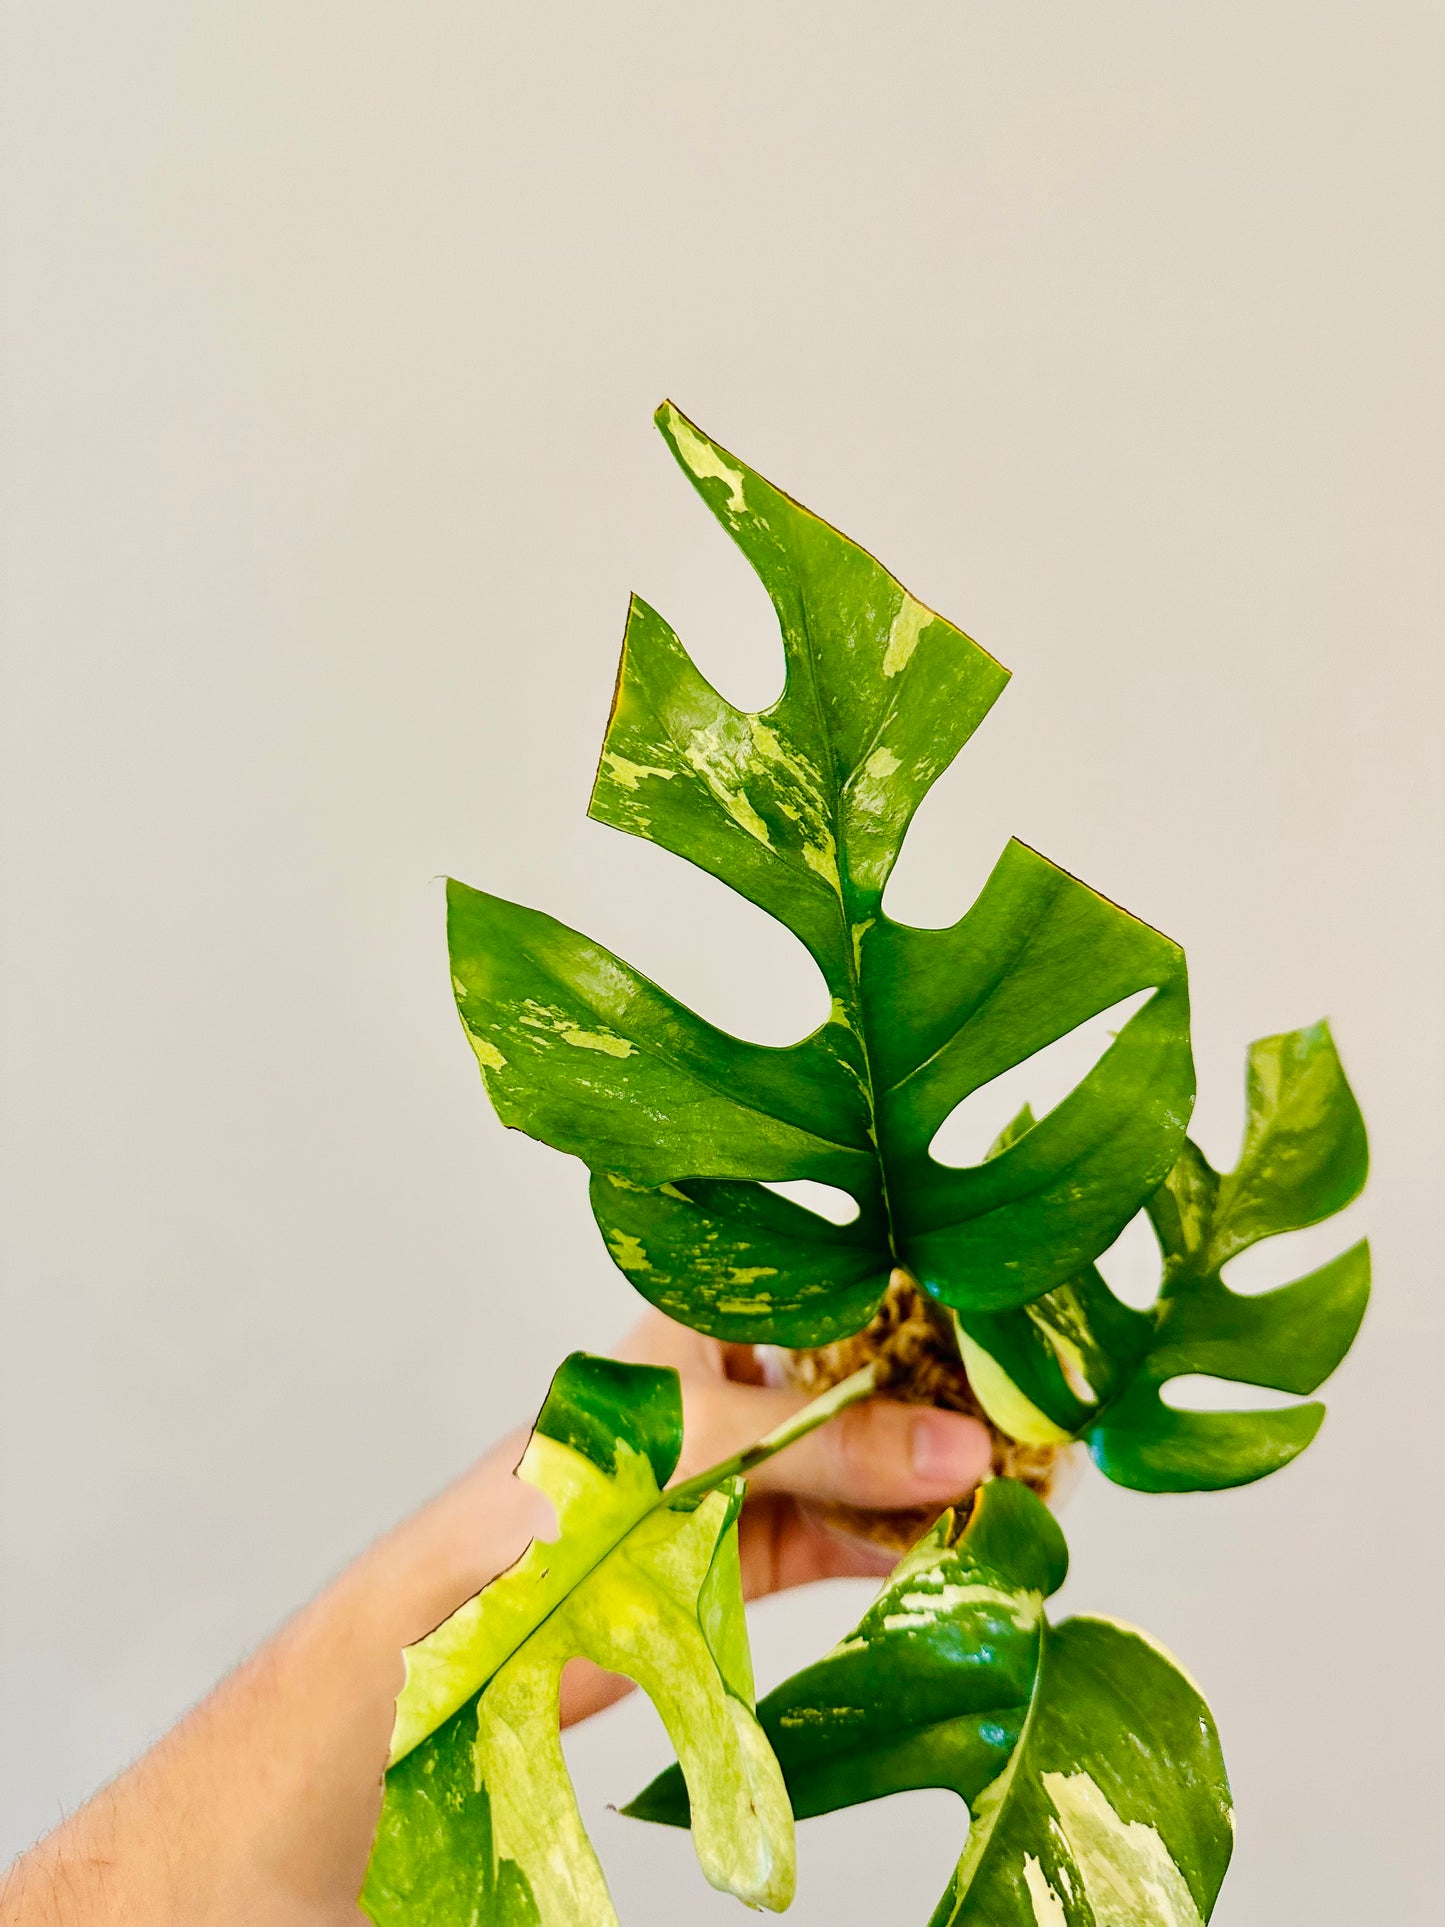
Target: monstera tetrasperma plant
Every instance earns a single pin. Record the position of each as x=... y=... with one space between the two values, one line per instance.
x=1087 y=1760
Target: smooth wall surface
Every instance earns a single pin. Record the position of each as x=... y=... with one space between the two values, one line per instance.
x=332 y=333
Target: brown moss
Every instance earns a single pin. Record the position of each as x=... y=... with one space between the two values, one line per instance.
x=920 y=1365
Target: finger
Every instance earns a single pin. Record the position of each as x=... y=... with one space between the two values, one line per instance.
x=780 y=1546
x=878 y=1454
x=883 y=1453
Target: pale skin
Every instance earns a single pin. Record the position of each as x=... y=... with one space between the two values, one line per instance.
x=259 y=1806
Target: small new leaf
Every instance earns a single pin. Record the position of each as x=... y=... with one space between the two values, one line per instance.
x=479 y=1823
x=1078 y=1363
x=802 y=808
x=1088 y=1761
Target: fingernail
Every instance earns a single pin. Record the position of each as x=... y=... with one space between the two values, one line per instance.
x=945 y=1450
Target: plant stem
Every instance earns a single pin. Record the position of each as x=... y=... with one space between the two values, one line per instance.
x=827 y=1405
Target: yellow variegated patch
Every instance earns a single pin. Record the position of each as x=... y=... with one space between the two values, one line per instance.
x=1128 y=1874
x=594 y=1510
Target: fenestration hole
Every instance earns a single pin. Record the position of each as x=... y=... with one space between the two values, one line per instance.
x=1042 y=1081
x=824 y=1200
x=1132 y=1267
x=1197 y=1392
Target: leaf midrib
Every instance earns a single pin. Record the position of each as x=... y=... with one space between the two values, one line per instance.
x=850 y=964
x=665 y=1497
x=1008 y=1776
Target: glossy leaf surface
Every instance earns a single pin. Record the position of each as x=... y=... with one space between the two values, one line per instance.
x=1087 y=1759
x=479 y=1822
x=803 y=808
x=1078 y=1363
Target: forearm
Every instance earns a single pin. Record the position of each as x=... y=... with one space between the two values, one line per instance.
x=260 y=1804
x=258 y=1809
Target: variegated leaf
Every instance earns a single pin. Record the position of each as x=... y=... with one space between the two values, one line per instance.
x=1079 y=1363
x=479 y=1823
x=802 y=808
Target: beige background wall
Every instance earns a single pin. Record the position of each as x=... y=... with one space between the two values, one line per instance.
x=332 y=335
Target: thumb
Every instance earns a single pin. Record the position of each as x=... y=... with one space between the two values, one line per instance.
x=880 y=1454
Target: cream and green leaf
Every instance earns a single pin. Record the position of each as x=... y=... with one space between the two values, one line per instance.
x=1078 y=1363
x=1087 y=1759
x=802 y=808
x=479 y=1822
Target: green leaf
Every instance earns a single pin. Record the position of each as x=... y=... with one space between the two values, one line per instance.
x=802 y=808
x=1115 y=1807
x=1078 y=1363
x=479 y=1822
x=1089 y=1762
